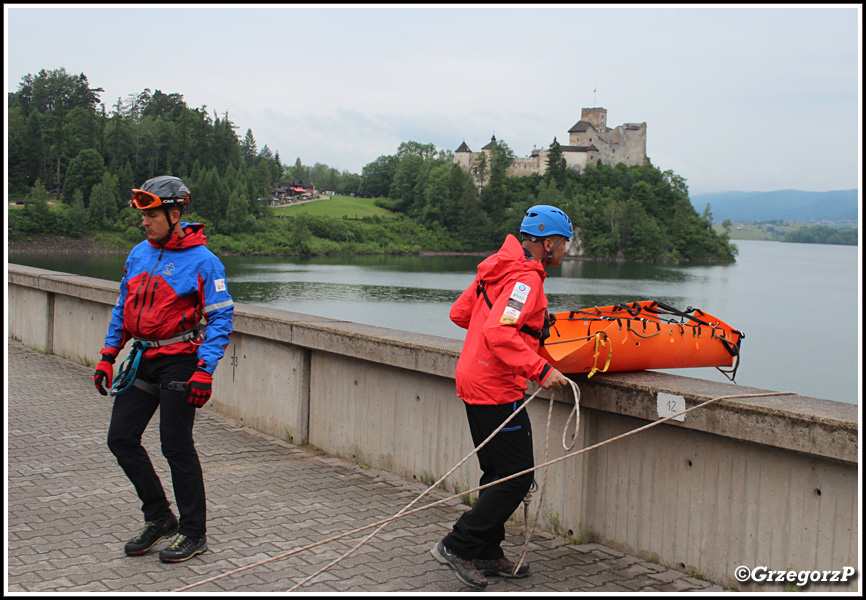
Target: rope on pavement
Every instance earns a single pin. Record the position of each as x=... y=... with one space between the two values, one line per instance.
x=406 y=512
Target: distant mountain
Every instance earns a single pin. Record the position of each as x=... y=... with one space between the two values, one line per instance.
x=790 y=205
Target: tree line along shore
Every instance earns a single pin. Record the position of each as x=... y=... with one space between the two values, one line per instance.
x=65 y=145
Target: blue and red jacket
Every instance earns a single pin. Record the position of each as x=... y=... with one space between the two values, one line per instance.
x=166 y=292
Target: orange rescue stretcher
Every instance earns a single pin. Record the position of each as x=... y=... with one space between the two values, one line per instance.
x=638 y=336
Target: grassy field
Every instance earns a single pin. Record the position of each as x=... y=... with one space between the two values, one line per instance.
x=335 y=206
x=751 y=231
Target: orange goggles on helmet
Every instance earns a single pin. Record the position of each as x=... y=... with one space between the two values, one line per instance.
x=145 y=200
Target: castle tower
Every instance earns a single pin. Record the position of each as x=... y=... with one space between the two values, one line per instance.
x=463 y=156
x=597 y=117
x=489 y=147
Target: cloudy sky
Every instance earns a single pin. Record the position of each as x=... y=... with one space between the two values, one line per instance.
x=734 y=97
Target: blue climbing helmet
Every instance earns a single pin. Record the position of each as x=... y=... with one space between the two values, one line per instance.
x=543 y=220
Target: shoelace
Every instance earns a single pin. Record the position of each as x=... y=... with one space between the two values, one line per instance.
x=146 y=528
x=469 y=566
x=180 y=541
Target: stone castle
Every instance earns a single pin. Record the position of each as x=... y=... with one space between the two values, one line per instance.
x=590 y=141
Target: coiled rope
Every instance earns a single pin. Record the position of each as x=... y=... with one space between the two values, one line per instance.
x=406 y=512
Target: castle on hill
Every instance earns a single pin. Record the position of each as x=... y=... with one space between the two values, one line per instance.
x=590 y=141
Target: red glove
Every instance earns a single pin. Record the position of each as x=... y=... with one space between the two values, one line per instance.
x=198 y=388
x=105 y=370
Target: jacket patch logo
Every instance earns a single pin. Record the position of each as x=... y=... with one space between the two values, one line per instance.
x=515 y=304
x=168 y=269
x=520 y=292
x=219 y=284
x=509 y=316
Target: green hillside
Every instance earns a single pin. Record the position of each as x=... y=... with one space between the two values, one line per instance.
x=335 y=206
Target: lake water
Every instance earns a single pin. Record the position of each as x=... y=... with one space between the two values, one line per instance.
x=798 y=304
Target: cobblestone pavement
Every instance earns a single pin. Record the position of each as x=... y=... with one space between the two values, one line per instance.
x=70 y=510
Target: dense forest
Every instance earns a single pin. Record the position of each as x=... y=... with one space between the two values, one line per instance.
x=66 y=146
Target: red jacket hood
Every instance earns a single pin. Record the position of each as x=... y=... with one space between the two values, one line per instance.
x=194 y=237
x=510 y=259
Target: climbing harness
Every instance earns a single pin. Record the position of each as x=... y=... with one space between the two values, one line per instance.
x=127 y=374
x=190 y=335
x=405 y=511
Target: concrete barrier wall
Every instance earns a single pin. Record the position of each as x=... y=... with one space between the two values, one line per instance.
x=761 y=481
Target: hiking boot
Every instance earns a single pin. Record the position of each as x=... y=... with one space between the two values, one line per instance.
x=501 y=567
x=183 y=548
x=464 y=569
x=163 y=527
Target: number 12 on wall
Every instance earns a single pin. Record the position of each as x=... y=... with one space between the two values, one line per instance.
x=670 y=404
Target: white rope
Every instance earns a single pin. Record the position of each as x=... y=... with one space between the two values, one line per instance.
x=382 y=523
x=404 y=512
x=424 y=493
x=575 y=390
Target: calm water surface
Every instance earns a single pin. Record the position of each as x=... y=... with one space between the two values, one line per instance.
x=798 y=304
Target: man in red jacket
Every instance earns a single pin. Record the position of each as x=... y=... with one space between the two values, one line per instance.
x=505 y=313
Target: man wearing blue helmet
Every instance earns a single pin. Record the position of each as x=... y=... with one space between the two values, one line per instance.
x=505 y=313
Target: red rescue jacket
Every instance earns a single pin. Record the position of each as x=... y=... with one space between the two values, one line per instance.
x=497 y=358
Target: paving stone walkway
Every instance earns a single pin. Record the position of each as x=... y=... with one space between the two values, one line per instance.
x=70 y=510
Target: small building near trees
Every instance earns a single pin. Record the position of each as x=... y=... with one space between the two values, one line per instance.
x=290 y=189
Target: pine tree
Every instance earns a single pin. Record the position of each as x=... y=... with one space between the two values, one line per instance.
x=556 y=165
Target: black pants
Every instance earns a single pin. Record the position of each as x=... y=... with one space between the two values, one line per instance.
x=131 y=414
x=479 y=531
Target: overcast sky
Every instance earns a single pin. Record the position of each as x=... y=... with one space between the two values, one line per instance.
x=734 y=97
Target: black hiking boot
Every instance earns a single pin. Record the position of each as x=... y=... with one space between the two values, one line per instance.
x=464 y=569
x=163 y=527
x=502 y=567
x=183 y=548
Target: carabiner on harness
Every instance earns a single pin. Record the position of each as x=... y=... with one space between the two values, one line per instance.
x=128 y=369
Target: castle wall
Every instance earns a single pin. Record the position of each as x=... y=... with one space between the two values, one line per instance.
x=578 y=160
x=528 y=166
x=584 y=138
x=624 y=144
x=465 y=159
